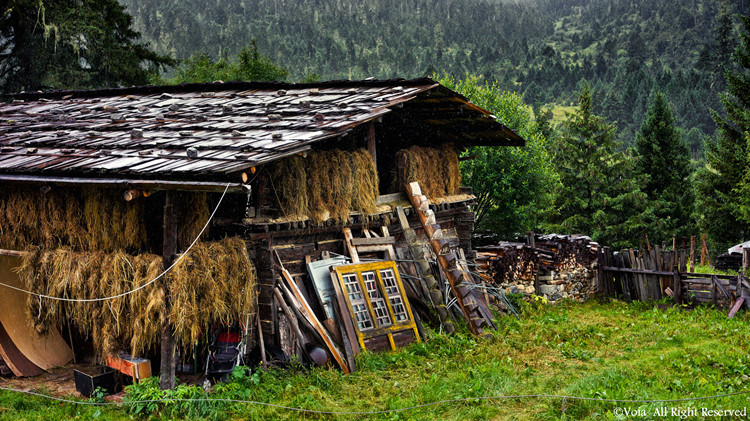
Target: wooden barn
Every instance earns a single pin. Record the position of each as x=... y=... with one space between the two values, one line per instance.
x=328 y=216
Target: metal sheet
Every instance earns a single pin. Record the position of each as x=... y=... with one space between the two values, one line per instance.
x=320 y=274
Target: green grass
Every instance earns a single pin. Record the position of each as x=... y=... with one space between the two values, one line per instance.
x=560 y=112
x=596 y=349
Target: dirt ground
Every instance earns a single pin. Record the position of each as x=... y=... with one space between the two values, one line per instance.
x=59 y=382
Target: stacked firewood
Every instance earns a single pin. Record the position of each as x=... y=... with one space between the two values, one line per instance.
x=555 y=266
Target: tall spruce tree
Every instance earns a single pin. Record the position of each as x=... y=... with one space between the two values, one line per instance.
x=599 y=195
x=719 y=185
x=71 y=44
x=664 y=158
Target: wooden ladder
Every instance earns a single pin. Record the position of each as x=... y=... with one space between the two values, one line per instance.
x=474 y=310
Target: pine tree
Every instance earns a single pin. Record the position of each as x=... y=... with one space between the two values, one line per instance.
x=724 y=184
x=664 y=159
x=599 y=193
x=72 y=44
x=719 y=182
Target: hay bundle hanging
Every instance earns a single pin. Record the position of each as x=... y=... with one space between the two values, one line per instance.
x=84 y=275
x=214 y=283
x=436 y=170
x=326 y=185
x=191 y=218
x=288 y=179
x=94 y=219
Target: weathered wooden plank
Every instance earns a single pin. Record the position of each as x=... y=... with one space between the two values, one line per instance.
x=736 y=307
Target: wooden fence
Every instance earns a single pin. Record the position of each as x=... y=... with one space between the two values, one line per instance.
x=646 y=275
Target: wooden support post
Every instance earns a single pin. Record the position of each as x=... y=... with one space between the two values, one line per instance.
x=648 y=245
x=371 y=143
x=745 y=259
x=674 y=250
x=530 y=239
x=692 y=253
x=263 y=359
x=169 y=251
x=705 y=250
x=677 y=286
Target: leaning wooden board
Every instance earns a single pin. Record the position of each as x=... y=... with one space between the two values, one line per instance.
x=307 y=312
x=44 y=351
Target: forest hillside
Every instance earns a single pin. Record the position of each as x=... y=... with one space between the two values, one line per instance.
x=543 y=49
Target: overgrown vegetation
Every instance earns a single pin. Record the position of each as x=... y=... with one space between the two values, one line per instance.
x=596 y=349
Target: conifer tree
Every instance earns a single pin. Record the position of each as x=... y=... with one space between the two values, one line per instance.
x=72 y=44
x=599 y=193
x=720 y=192
x=725 y=180
x=664 y=160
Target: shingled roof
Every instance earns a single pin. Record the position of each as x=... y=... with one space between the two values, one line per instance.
x=208 y=132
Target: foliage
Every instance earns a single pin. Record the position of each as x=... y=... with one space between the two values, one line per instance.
x=723 y=183
x=249 y=65
x=72 y=44
x=599 y=192
x=664 y=160
x=146 y=398
x=514 y=185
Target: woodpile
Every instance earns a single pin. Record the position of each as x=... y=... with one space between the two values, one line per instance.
x=554 y=266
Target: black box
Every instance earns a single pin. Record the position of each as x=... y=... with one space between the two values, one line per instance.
x=106 y=378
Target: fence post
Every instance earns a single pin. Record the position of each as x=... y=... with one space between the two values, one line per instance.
x=677 y=287
x=692 y=253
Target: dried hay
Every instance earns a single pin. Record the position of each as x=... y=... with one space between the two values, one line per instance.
x=192 y=212
x=289 y=184
x=326 y=185
x=436 y=170
x=93 y=219
x=214 y=283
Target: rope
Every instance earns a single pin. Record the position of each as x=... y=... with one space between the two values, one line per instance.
x=384 y=411
x=88 y=300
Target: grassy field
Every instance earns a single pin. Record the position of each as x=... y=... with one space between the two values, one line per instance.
x=609 y=350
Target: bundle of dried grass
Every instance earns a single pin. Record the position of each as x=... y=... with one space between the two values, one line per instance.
x=436 y=170
x=81 y=275
x=289 y=184
x=214 y=283
x=95 y=219
x=326 y=185
x=192 y=214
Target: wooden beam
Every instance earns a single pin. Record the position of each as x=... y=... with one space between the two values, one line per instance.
x=372 y=143
x=307 y=312
x=373 y=241
x=203 y=186
x=736 y=307
x=14 y=253
x=169 y=251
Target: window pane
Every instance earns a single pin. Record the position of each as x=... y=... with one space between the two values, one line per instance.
x=362 y=316
x=376 y=299
x=394 y=295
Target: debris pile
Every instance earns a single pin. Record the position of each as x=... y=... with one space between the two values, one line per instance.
x=554 y=266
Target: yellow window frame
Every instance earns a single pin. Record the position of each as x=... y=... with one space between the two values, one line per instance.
x=377 y=330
